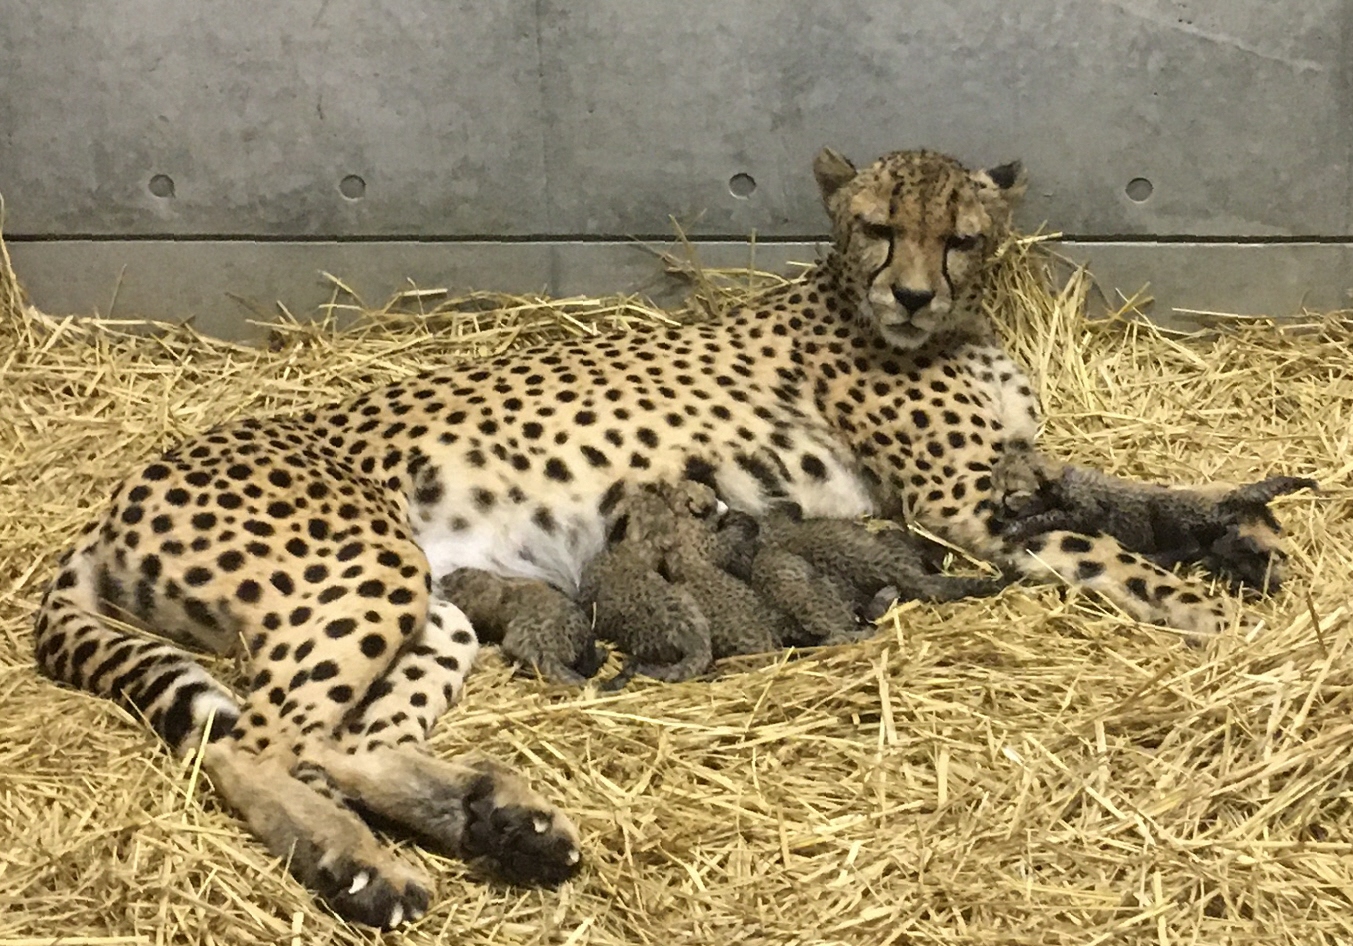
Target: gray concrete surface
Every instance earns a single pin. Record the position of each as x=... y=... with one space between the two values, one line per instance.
x=223 y=286
x=206 y=149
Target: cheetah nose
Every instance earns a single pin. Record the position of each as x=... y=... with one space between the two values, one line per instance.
x=912 y=300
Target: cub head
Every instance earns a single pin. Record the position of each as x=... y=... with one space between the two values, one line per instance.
x=913 y=232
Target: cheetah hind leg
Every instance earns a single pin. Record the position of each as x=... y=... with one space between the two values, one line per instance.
x=326 y=845
x=473 y=808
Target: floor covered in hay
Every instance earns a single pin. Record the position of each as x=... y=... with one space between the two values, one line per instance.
x=1028 y=769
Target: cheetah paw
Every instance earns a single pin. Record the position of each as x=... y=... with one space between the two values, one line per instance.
x=365 y=894
x=526 y=840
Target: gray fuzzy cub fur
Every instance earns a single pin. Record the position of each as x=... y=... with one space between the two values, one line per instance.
x=1229 y=530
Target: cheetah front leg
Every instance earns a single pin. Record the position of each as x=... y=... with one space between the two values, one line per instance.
x=473 y=808
x=1228 y=530
x=1141 y=589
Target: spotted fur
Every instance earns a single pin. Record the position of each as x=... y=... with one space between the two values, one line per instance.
x=311 y=542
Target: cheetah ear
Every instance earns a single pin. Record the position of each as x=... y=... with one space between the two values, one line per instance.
x=832 y=172
x=1008 y=181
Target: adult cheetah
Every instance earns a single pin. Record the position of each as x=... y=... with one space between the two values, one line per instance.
x=314 y=540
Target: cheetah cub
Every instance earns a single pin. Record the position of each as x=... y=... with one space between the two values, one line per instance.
x=1229 y=530
x=537 y=627
x=661 y=590
x=680 y=586
x=863 y=570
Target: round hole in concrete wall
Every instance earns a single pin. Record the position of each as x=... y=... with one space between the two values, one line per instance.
x=741 y=185
x=352 y=187
x=162 y=185
x=1139 y=189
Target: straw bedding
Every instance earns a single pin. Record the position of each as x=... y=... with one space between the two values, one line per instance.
x=1026 y=769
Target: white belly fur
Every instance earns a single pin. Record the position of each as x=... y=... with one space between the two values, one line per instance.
x=508 y=543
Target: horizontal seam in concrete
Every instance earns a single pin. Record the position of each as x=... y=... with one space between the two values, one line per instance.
x=604 y=239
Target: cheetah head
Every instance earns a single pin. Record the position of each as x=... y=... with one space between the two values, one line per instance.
x=656 y=514
x=914 y=232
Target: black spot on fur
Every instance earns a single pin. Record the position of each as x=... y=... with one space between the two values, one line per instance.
x=594 y=456
x=1076 y=544
x=768 y=477
x=199 y=613
x=340 y=627
x=614 y=493
x=1087 y=569
x=700 y=470
x=813 y=466
x=558 y=470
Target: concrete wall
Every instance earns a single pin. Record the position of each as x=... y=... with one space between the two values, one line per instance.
x=176 y=155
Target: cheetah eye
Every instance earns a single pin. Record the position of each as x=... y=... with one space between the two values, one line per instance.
x=876 y=231
x=961 y=243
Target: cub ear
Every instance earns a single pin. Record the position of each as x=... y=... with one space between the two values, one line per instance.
x=832 y=172
x=1008 y=180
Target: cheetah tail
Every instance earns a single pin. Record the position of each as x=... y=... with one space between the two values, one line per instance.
x=161 y=683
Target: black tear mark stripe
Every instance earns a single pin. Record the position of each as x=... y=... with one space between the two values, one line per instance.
x=887 y=260
x=944 y=269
